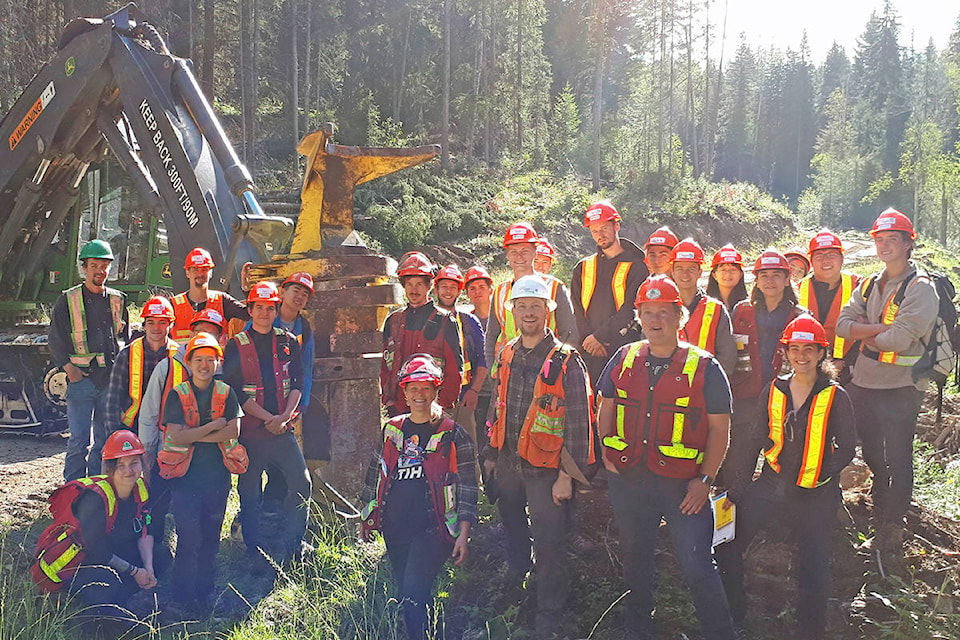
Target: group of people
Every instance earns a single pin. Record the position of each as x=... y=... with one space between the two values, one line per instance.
x=667 y=389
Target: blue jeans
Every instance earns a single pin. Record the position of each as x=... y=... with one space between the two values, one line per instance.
x=86 y=407
x=640 y=499
x=283 y=452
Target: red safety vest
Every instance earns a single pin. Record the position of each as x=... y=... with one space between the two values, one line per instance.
x=848 y=282
x=138 y=377
x=664 y=425
x=749 y=384
x=403 y=343
x=439 y=465
x=815 y=440
x=253 y=382
x=183 y=310
x=701 y=328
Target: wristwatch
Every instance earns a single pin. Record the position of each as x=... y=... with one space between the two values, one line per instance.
x=707 y=480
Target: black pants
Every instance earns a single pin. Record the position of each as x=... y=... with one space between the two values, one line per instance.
x=416 y=559
x=102 y=591
x=740 y=461
x=199 y=515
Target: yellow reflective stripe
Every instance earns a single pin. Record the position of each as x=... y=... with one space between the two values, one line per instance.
x=709 y=310
x=678 y=422
x=621 y=418
x=179 y=371
x=78 y=321
x=551 y=316
x=777 y=408
x=394 y=434
x=434 y=441
x=846 y=291
x=816 y=438
x=107 y=489
x=629 y=358
x=803 y=292
x=890 y=311
x=690 y=366
x=620 y=283
x=51 y=570
x=588 y=281
x=465 y=378
x=135 y=388
x=242 y=338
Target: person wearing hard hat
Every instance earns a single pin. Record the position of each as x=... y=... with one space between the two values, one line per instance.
x=546 y=255
x=541 y=438
x=664 y=419
x=805 y=429
x=726 y=277
x=828 y=289
x=479 y=288
x=135 y=363
x=890 y=313
x=709 y=324
x=420 y=492
x=758 y=324
x=200 y=451
x=603 y=285
x=420 y=327
x=799 y=263
x=199 y=268
x=264 y=367
x=657 y=250
x=520 y=245
x=87 y=324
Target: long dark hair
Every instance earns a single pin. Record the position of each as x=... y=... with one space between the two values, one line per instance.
x=789 y=295
x=738 y=293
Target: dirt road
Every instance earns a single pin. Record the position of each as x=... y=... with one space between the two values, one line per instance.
x=30 y=469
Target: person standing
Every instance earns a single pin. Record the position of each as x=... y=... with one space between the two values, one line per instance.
x=603 y=284
x=86 y=327
x=658 y=248
x=890 y=313
x=479 y=287
x=541 y=436
x=199 y=268
x=664 y=420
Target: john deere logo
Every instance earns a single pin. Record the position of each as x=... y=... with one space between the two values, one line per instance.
x=70 y=66
x=165 y=271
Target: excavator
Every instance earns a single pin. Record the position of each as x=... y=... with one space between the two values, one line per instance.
x=114 y=139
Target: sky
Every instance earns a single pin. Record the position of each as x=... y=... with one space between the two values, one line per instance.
x=781 y=24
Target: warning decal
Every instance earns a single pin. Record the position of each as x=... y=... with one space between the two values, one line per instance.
x=32 y=115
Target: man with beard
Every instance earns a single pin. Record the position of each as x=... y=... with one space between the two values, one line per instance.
x=199 y=267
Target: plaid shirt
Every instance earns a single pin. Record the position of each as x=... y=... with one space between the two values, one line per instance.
x=524 y=369
x=118 y=390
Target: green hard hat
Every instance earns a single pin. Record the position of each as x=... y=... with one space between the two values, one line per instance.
x=96 y=249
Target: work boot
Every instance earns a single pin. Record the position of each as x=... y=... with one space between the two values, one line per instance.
x=888 y=550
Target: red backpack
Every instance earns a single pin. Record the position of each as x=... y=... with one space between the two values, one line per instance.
x=60 y=548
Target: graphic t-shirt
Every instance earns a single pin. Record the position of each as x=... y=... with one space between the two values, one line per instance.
x=406 y=511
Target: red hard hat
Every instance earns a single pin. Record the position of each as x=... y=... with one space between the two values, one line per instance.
x=771 y=259
x=797 y=252
x=202 y=340
x=208 y=315
x=120 y=444
x=687 y=250
x=198 y=257
x=727 y=254
x=825 y=239
x=545 y=248
x=477 y=272
x=658 y=289
x=520 y=233
x=264 y=291
x=804 y=328
x=450 y=272
x=662 y=237
x=157 y=307
x=893 y=220
x=601 y=211
x=421 y=367
x=415 y=263
x=302 y=278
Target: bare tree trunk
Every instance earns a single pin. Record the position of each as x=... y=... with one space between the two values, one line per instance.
x=307 y=78
x=69 y=12
x=599 y=26
x=445 y=122
x=294 y=78
x=518 y=90
x=475 y=111
x=398 y=84
x=247 y=108
x=944 y=208
x=209 y=46
x=691 y=103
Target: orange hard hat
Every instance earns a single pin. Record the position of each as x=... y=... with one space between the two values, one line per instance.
x=302 y=278
x=157 y=307
x=120 y=444
x=687 y=250
x=727 y=254
x=198 y=257
x=264 y=291
x=208 y=315
x=414 y=263
x=420 y=367
x=804 y=328
x=204 y=340
x=658 y=289
x=601 y=211
x=771 y=259
x=450 y=272
x=545 y=248
x=893 y=220
x=520 y=233
x=825 y=239
x=662 y=237
x=797 y=252
x=478 y=272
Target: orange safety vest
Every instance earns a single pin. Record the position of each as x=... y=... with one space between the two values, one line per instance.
x=183 y=310
x=889 y=314
x=809 y=300
x=618 y=283
x=176 y=374
x=174 y=459
x=81 y=356
x=138 y=378
x=703 y=323
x=815 y=441
x=508 y=327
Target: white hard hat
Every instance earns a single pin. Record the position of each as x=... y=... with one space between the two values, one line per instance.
x=531 y=287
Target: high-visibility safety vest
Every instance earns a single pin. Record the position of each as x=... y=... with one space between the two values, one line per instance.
x=467 y=365
x=508 y=327
x=174 y=459
x=60 y=549
x=183 y=310
x=253 y=381
x=809 y=300
x=138 y=378
x=403 y=343
x=618 y=284
x=439 y=466
x=176 y=374
x=749 y=384
x=663 y=425
x=541 y=434
x=81 y=356
x=703 y=323
x=815 y=441
x=889 y=314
